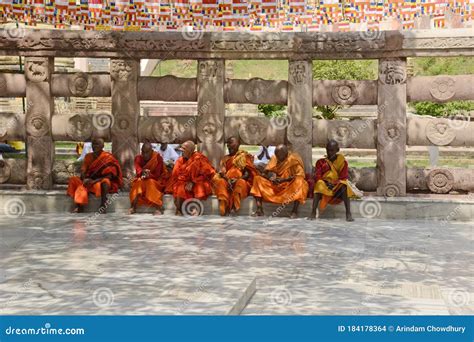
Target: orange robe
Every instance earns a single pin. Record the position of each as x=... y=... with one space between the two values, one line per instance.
x=287 y=192
x=336 y=173
x=149 y=190
x=105 y=164
x=233 y=167
x=196 y=169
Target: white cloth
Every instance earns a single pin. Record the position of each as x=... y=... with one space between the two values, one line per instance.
x=169 y=155
x=264 y=160
x=87 y=149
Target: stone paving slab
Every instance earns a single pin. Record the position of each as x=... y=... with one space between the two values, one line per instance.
x=121 y=264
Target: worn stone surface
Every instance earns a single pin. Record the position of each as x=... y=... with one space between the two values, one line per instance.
x=262 y=45
x=119 y=264
x=440 y=88
x=39 y=111
x=81 y=84
x=167 y=88
x=300 y=109
x=344 y=92
x=211 y=109
x=391 y=128
x=125 y=110
x=348 y=133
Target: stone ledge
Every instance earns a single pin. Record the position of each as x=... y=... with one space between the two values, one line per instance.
x=459 y=208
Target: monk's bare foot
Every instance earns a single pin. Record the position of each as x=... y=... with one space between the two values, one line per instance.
x=76 y=210
x=178 y=213
x=233 y=212
x=131 y=211
x=257 y=213
x=158 y=212
x=349 y=218
x=312 y=216
x=293 y=215
x=103 y=209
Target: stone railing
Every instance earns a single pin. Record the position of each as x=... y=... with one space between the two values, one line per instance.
x=390 y=133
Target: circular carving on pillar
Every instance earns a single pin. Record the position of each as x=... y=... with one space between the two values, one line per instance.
x=442 y=88
x=80 y=84
x=392 y=72
x=390 y=132
x=391 y=190
x=253 y=131
x=36 y=70
x=121 y=70
x=254 y=89
x=5 y=171
x=79 y=127
x=37 y=126
x=165 y=130
x=209 y=131
x=121 y=125
x=344 y=93
x=439 y=132
x=440 y=181
x=298 y=134
x=343 y=133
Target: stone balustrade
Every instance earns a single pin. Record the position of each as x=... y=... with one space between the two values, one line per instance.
x=390 y=133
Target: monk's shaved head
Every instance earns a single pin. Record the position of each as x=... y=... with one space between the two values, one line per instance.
x=233 y=144
x=332 y=144
x=281 y=152
x=188 y=148
x=147 y=146
x=332 y=147
x=97 y=145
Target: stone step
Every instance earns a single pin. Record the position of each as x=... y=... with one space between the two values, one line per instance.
x=415 y=206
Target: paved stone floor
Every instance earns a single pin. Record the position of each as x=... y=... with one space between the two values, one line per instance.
x=119 y=264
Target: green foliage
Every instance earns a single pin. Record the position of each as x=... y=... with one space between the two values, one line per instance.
x=345 y=70
x=432 y=66
x=442 y=109
x=271 y=110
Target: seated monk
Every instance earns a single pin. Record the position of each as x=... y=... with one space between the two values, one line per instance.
x=234 y=181
x=149 y=184
x=331 y=187
x=286 y=184
x=100 y=174
x=191 y=177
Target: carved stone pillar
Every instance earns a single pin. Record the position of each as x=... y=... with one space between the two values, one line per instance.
x=126 y=111
x=391 y=127
x=39 y=111
x=211 y=109
x=300 y=108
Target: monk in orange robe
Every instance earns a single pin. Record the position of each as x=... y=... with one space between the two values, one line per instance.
x=191 y=177
x=234 y=180
x=283 y=181
x=331 y=181
x=100 y=174
x=150 y=182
